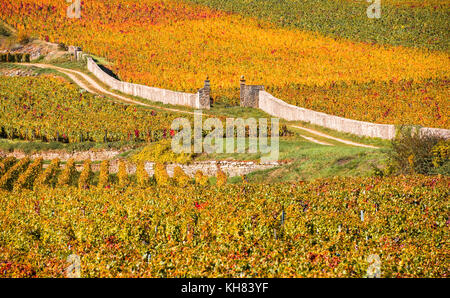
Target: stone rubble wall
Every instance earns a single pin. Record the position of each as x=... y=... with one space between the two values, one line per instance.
x=93 y=155
x=208 y=168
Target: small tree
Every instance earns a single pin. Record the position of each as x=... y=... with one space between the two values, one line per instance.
x=10 y=57
x=19 y=57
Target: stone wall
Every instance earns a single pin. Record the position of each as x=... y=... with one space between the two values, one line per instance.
x=281 y=109
x=93 y=155
x=249 y=94
x=208 y=168
x=435 y=131
x=199 y=100
x=205 y=95
x=277 y=107
x=252 y=96
x=73 y=49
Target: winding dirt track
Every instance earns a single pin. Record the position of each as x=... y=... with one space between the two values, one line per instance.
x=321 y=134
x=92 y=86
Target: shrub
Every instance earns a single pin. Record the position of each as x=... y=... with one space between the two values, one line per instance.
x=3 y=57
x=86 y=175
x=6 y=163
x=19 y=57
x=161 y=176
x=62 y=46
x=10 y=57
x=412 y=152
x=26 y=57
x=441 y=153
x=47 y=175
x=122 y=174
x=27 y=178
x=7 y=181
x=221 y=178
x=23 y=37
x=142 y=176
x=161 y=152
x=180 y=176
x=200 y=178
x=68 y=174
x=103 y=178
x=441 y=157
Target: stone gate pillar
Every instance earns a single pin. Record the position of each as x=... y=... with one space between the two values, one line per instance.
x=249 y=94
x=205 y=95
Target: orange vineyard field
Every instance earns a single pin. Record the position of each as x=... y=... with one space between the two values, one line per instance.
x=325 y=228
x=102 y=179
x=51 y=109
x=174 y=45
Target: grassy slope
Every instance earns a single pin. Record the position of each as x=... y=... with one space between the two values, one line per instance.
x=303 y=160
x=315 y=161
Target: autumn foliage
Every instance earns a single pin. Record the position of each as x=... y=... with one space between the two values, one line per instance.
x=312 y=229
x=174 y=45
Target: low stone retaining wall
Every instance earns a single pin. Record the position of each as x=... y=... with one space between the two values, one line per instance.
x=93 y=155
x=208 y=168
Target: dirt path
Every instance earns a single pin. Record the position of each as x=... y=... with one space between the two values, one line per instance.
x=316 y=141
x=318 y=133
x=92 y=86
